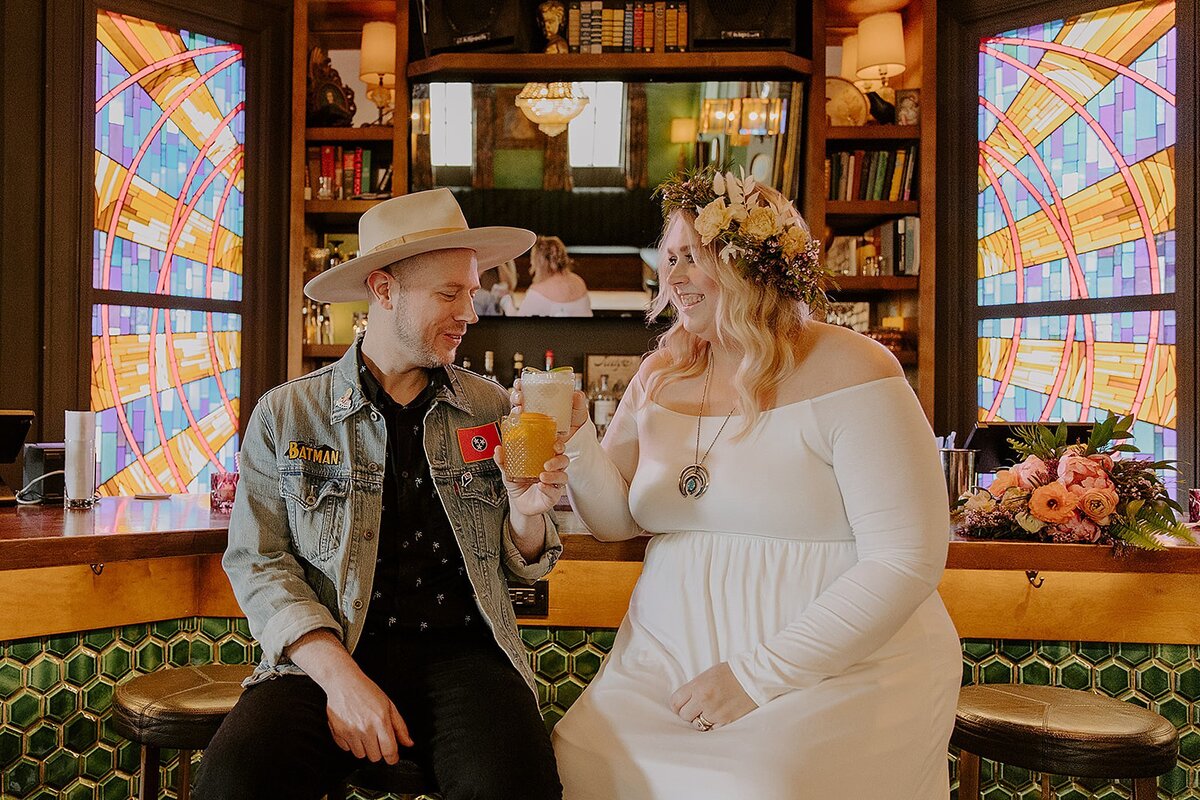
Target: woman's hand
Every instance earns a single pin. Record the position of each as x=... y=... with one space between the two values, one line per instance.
x=533 y=498
x=579 y=406
x=715 y=694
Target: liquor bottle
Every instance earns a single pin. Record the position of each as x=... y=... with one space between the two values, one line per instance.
x=518 y=365
x=319 y=324
x=466 y=363
x=603 y=405
x=306 y=323
x=489 y=366
x=327 y=325
x=549 y=360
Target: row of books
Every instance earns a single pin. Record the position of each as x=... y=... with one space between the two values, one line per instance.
x=871 y=174
x=893 y=248
x=614 y=26
x=341 y=173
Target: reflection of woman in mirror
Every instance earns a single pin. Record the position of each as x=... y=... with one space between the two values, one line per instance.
x=551 y=13
x=494 y=298
x=556 y=291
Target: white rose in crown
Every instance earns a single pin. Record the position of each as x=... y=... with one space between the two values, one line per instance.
x=761 y=223
x=713 y=219
x=795 y=239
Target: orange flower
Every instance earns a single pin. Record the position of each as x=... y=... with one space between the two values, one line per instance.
x=1097 y=504
x=1053 y=503
x=1003 y=481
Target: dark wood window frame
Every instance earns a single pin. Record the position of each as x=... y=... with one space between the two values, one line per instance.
x=264 y=31
x=960 y=27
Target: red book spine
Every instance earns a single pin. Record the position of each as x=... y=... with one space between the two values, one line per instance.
x=358 y=184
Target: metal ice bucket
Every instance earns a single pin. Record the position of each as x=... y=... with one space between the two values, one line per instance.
x=958 y=464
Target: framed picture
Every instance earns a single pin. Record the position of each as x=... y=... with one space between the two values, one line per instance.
x=908 y=106
x=620 y=370
x=514 y=131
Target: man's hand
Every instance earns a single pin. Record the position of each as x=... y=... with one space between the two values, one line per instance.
x=362 y=719
x=716 y=694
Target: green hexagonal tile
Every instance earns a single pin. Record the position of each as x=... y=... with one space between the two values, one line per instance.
x=149 y=656
x=215 y=627
x=1054 y=652
x=61 y=646
x=570 y=638
x=1187 y=683
x=1134 y=654
x=21 y=779
x=997 y=672
x=977 y=649
x=167 y=629
x=551 y=663
x=10 y=680
x=551 y=717
x=44 y=673
x=62 y=703
x=201 y=652
x=1174 y=783
x=80 y=733
x=80 y=668
x=535 y=637
x=1095 y=652
x=233 y=652
x=585 y=664
x=1173 y=654
x=181 y=653
x=61 y=768
x=41 y=741
x=602 y=639
x=115 y=787
x=1075 y=676
x=1174 y=711
x=133 y=634
x=566 y=693
x=1153 y=681
x=80 y=791
x=25 y=710
x=1035 y=673
x=1016 y=650
x=1012 y=776
x=543 y=691
x=114 y=662
x=98 y=762
x=10 y=747
x=997 y=793
x=97 y=698
x=1114 y=679
x=1189 y=747
x=25 y=651
x=98 y=640
x=129 y=756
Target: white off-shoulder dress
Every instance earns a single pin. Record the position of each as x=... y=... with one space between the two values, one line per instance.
x=810 y=566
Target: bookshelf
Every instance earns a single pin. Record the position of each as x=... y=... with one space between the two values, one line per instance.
x=686 y=66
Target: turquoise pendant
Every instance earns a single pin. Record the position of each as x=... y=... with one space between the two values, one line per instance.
x=693 y=481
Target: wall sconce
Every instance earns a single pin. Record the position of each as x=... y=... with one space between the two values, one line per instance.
x=377 y=64
x=720 y=115
x=850 y=66
x=880 y=51
x=551 y=105
x=420 y=116
x=761 y=116
x=683 y=133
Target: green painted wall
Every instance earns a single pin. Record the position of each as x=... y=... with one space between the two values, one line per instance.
x=664 y=101
x=517 y=169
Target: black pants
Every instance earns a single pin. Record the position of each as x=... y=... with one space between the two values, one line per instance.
x=474 y=723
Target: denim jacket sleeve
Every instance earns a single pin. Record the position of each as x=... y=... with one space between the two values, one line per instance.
x=516 y=564
x=267 y=578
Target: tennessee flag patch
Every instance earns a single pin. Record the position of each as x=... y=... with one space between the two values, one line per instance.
x=478 y=443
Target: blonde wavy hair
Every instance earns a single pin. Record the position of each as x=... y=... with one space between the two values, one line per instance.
x=548 y=257
x=755 y=319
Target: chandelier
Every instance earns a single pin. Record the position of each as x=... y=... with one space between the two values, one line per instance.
x=551 y=105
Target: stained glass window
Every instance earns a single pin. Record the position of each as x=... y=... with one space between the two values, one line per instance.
x=169 y=218
x=1077 y=207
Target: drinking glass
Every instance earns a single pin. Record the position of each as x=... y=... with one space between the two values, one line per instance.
x=549 y=393
x=528 y=440
x=223 y=487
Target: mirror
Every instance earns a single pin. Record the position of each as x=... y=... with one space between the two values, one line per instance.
x=590 y=184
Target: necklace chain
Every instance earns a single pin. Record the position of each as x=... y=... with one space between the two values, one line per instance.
x=700 y=419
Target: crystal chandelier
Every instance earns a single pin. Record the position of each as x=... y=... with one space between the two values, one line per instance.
x=551 y=105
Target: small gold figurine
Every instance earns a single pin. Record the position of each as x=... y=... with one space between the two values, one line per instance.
x=551 y=13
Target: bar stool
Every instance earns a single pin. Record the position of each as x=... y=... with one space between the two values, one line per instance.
x=1061 y=732
x=178 y=708
x=405 y=779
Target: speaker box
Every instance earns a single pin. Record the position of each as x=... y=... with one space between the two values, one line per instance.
x=738 y=25
x=496 y=26
x=42 y=458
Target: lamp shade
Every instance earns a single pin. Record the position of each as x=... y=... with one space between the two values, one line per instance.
x=551 y=105
x=683 y=130
x=377 y=62
x=881 y=46
x=849 y=69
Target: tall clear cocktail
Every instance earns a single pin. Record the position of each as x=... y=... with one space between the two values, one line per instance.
x=549 y=393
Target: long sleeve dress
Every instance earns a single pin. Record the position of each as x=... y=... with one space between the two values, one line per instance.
x=810 y=566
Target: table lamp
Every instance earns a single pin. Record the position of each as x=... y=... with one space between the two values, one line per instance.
x=377 y=64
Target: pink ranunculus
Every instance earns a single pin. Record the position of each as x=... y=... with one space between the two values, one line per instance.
x=1082 y=471
x=1031 y=473
x=1076 y=529
x=1096 y=504
x=1103 y=459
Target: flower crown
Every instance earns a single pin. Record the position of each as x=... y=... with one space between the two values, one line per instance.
x=766 y=239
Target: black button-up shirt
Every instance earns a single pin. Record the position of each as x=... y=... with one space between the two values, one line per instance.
x=421 y=581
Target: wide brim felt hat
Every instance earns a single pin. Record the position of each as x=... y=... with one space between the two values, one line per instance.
x=407 y=226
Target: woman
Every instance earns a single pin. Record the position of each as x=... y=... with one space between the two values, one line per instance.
x=556 y=290
x=785 y=639
x=494 y=298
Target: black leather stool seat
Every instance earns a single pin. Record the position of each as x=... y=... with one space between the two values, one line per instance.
x=1064 y=732
x=179 y=708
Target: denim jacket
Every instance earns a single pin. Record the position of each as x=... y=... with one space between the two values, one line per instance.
x=303 y=535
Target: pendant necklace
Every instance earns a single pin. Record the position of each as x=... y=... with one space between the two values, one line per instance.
x=693 y=480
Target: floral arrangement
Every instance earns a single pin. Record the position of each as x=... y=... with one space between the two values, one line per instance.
x=1062 y=492
x=768 y=240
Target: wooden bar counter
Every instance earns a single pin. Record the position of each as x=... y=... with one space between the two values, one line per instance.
x=131 y=561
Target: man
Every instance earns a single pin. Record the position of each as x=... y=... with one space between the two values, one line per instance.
x=371 y=536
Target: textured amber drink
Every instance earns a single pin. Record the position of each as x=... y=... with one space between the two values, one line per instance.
x=549 y=393
x=528 y=444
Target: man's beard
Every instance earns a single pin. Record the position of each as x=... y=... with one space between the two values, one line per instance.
x=412 y=341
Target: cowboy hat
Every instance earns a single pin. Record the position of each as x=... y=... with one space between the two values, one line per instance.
x=407 y=226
